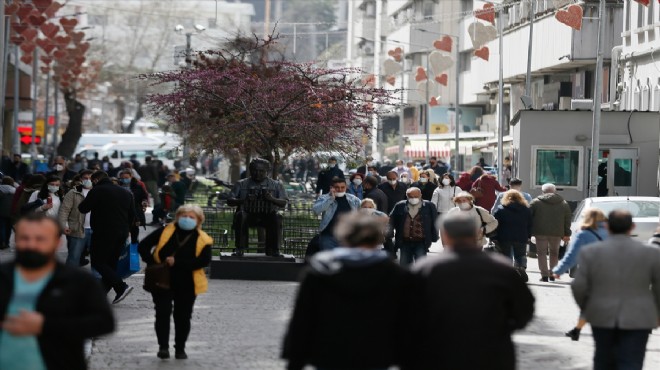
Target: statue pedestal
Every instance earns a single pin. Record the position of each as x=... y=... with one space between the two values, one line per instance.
x=256 y=267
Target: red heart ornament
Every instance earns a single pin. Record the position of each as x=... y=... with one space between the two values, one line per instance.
x=60 y=54
x=444 y=44
x=36 y=19
x=77 y=36
x=17 y=39
x=434 y=102
x=486 y=14
x=80 y=60
x=64 y=84
x=571 y=17
x=396 y=53
x=28 y=48
x=27 y=58
x=10 y=9
x=420 y=75
x=50 y=30
x=50 y=12
x=29 y=34
x=24 y=11
x=390 y=80
x=68 y=24
x=483 y=53
x=643 y=2
x=19 y=27
x=76 y=71
x=42 y=5
x=45 y=45
x=65 y=76
x=45 y=69
x=62 y=40
x=83 y=47
x=441 y=79
x=46 y=59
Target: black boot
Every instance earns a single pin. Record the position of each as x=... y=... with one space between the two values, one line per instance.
x=163 y=353
x=574 y=334
x=180 y=353
x=523 y=274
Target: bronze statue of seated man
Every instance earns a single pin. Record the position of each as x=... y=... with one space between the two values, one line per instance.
x=258 y=199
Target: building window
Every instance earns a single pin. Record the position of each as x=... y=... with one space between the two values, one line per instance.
x=466 y=61
x=640 y=15
x=467 y=5
x=429 y=9
x=626 y=18
x=559 y=165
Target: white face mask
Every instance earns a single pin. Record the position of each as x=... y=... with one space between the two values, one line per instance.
x=393 y=182
x=446 y=182
x=404 y=180
x=340 y=195
x=464 y=206
x=59 y=167
x=53 y=188
x=357 y=182
x=400 y=166
x=414 y=201
x=423 y=180
x=332 y=165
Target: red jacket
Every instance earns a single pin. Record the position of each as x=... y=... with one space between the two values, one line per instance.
x=464 y=182
x=488 y=185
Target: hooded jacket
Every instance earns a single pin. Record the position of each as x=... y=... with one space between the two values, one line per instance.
x=349 y=290
x=514 y=223
x=551 y=216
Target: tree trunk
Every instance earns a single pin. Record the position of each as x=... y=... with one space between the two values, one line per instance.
x=73 y=132
x=138 y=115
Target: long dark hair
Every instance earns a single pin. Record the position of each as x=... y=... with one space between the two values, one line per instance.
x=44 y=193
x=452 y=182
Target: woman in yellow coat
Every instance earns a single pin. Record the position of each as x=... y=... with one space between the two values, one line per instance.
x=187 y=250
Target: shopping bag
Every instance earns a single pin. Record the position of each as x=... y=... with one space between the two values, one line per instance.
x=129 y=261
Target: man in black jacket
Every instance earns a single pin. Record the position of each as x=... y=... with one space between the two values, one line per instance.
x=324 y=181
x=47 y=309
x=113 y=212
x=372 y=192
x=394 y=189
x=413 y=222
x=489 y=301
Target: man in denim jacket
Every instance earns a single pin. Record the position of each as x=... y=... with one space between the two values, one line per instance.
x=332 y=206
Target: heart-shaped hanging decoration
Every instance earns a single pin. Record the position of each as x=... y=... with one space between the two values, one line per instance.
x=390 y=80
x=65 y=84
x=29 y=34
x=390 y=67
x=46 y=59
x=369 y=80
x=441 y=79
x=420 y=75
x=19 y=27
x=49 y=30
x=423 y=93
x=28 y=48
x=483 y=53
x=42 y=5
x=481 y=34
x=65 y=76
x=45 y=69
x=52 y=9
x=83 y=47
x=17 y=39
x=434 y=102
x=27 y=58
x=36 y=19
x=24 y=11
x=60 y=54
x=45 y=45
x=396 y=54
x=571 y=17
x=487 y=13
x=76 y=71
x=444 y=44
x=68 y=24
x=643 y=2
x=440 y=62
x=12 y=8
x=62 y=40
x=77 y=36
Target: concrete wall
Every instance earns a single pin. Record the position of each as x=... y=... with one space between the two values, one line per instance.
x=573 y=128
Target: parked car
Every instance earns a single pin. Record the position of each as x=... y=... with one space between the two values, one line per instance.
x=645 y=212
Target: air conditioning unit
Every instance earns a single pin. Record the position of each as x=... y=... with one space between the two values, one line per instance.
x=582 y=104
x=565 y=103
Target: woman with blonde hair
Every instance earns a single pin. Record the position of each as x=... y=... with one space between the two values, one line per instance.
x=483 y=220
x=514 y=229
x=187 y=250
x=592 y=230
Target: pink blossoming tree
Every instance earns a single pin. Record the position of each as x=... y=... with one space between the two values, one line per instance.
x=240 y=98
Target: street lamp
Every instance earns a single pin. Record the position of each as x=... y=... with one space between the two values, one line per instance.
x=185 y=160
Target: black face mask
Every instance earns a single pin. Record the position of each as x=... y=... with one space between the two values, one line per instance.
x=31 y=260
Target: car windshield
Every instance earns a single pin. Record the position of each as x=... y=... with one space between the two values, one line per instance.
x=638 y=208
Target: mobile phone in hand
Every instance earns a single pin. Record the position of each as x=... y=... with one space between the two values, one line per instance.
x=49 y=200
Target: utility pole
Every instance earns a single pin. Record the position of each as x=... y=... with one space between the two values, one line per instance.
x=528 y=79
x=3 y=72
x=500 y=126
x=598 y=97
x=457 y=116
x=35 y=84
x=377 y=51
x=17 y=94
x=266 y=18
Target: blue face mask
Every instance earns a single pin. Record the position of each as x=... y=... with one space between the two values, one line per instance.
x=187 y=223
x=125 y=181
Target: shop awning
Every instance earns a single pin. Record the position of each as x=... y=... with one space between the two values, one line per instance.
x=419 y=151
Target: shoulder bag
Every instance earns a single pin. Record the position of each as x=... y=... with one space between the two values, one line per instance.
x=157 y=276
x=490 y=235
x=476 y=190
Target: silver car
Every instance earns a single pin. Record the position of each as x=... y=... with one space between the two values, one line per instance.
x=645 y=212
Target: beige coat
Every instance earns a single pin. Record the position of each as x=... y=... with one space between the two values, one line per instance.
x=491 y=222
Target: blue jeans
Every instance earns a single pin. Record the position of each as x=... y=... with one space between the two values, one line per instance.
x=618 y=349
x=76 y=246
x=327 y=242
x=411 y=252
x=515 y=250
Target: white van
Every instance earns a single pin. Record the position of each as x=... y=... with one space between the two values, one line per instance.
x=96 y=141
x=167 y=152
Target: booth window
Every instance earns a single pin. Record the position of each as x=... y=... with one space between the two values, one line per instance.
x=559 y=166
